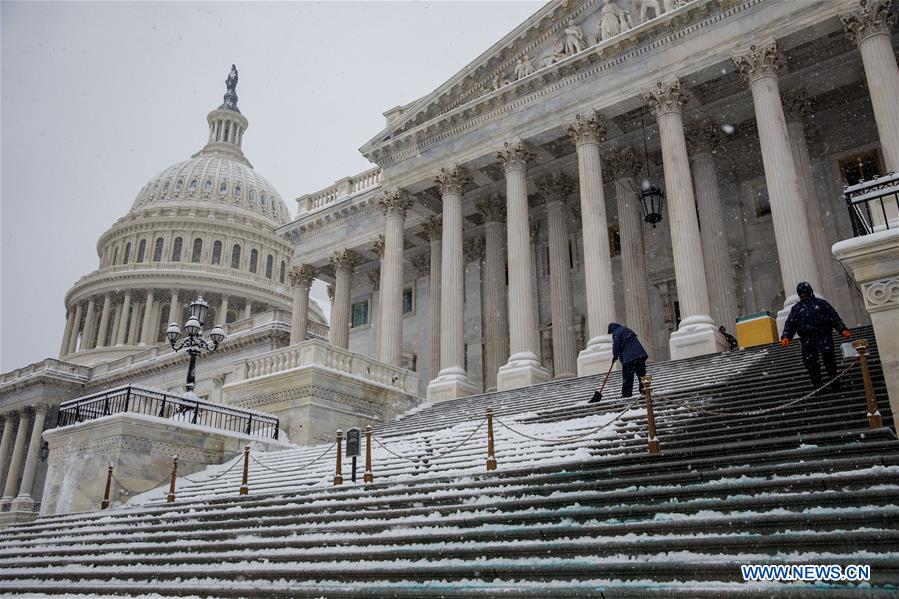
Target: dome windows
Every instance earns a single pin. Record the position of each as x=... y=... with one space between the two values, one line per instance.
x=235 y=256
x=178 y=185
x=237 y=191
x=141 y=250
x=176 y=249
x=165 y=188
x=207 y=186
x=254 y=261
x=269 y=263
x=263 y=200
x=282 y=271
x=252 y=196
x=197 y=252
x=217 y=252
x=157 y=250
x=193 y=185
x=223 y=187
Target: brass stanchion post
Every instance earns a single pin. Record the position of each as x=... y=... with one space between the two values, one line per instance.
x=491 y=459
x=650 y=417
x=369 y=477
x=171 y=496
x=244 y=487
x=338 y=473
x=105 y=503
x=874 y=419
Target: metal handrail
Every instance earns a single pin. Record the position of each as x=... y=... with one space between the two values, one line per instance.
x=152 y=402
x=874 y=204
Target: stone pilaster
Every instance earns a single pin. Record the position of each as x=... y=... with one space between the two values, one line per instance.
x=76 y=328
x=301 y=278
x=626 y=167
x=25 y=500
x=586 y=133
x=496 y=304
x=105 y=314
x=760 y=67
x=524 y=367
x=556 y=188
x=434 y=230
x=452 y=381
x=147 y=330
x=87 y=337
x=697 y=334
x=393 y=204
x=15 y=462
x=343 y=262
x=703 y=142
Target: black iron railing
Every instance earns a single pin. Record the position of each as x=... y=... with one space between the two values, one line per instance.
x=140 y=400
x=873 y=205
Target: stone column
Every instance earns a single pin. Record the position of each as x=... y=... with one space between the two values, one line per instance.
x=9 y=427
x=25 y=500
x=122 y=333
x=301 y=278
x=343 y=263
x=697 y=334
x=147 y=328
x=869 y=28
x=586 y=132
x=759 y=68
x=626 y=168
x=67 y=335
x=248 y=309
x=433 y=229
x=103 y=329
x=797 y=109
x=15 y=462
x=73 y=339
x=87 y=337
x=133 y=330
x=221 y=316
x=556 y=188
x=703 y=141
x=452 y=380
x=376 y=278
x=393 y=205
x=496 y=316
x=523 y=368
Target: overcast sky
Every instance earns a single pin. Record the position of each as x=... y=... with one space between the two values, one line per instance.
x=99 y=97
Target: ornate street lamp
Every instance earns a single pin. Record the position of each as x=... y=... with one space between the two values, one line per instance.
x=194 y=342
x=650 y=196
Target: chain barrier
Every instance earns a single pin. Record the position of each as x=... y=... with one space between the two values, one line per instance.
x=237 y=461
x=775 y=408
x=577 y=437
x=132 y=492
x=323 y=454
x=434 y=456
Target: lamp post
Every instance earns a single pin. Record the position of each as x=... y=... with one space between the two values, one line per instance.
x=194 y=342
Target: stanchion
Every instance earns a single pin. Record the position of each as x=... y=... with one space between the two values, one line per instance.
x=338 y=477
x=369 y=477
x=650 y=417
x=491 y=460
x=874 y=420
x=244 y=487
x=171 y=496
x=105 y=503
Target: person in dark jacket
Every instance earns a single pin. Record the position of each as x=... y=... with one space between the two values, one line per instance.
x=813 y=319
x=731 y=340
x=627 y=348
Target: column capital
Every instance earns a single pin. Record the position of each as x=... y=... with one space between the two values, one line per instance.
x=302 y=275
x=452 y=180
x=666 y=97
x=873 y=17
x=555 y=187
x=394 y=202
x=762 y=60
x=473 y=249
x=625 y=163
x=434 y=227
x=703 y=136
x=41 y=408
x=374 y=277
x=587 y=128
x=493 y=208
x=422 y=264
x=378 y=245
x=797 y=106
x=515 y=155
x=344 y=260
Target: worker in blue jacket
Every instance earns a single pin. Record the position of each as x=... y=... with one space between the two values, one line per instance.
x=813 y=319
x=627 y=348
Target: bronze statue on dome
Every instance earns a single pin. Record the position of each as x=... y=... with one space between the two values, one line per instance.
x=230 y=102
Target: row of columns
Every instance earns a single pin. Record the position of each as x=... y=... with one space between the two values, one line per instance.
x=22 y=452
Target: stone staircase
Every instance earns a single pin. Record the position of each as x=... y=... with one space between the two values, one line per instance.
x=576 y=507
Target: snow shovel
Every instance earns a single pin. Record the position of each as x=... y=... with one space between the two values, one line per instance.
x=597 y=395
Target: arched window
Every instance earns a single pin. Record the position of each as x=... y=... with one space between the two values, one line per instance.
x=223 y=187
x=141 y=250
x=157 y=250
x=197 y=251
x=237 y=190
x=127 y=253
x=269 y=262
x=176 y=250
x=252 y=195
x=179 y=184
x=264 y=202
x=217 y=252
x=207 y=186
x=254 y=260
x=193 y=185
x=235 y=256
x=282 y=271
x=165 y=187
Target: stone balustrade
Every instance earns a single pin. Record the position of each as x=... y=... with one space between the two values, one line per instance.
x=344 y=188
x=170 y=266
x=49 y=365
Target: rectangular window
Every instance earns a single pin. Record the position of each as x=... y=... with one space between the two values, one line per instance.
x=861 y=167
x=360 y=313
x=408 y=300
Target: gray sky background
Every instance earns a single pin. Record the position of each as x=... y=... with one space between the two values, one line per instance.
x=99 y=97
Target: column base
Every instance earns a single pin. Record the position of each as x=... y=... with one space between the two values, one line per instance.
x=696 y=336
x=595 y=358
x=522 y=370
x=13 y=517
x=22 y=503
x=451 y=383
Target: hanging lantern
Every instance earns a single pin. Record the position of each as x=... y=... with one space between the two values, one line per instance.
x=651 y=198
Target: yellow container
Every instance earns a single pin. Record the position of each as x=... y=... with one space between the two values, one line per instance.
x=756 y=329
